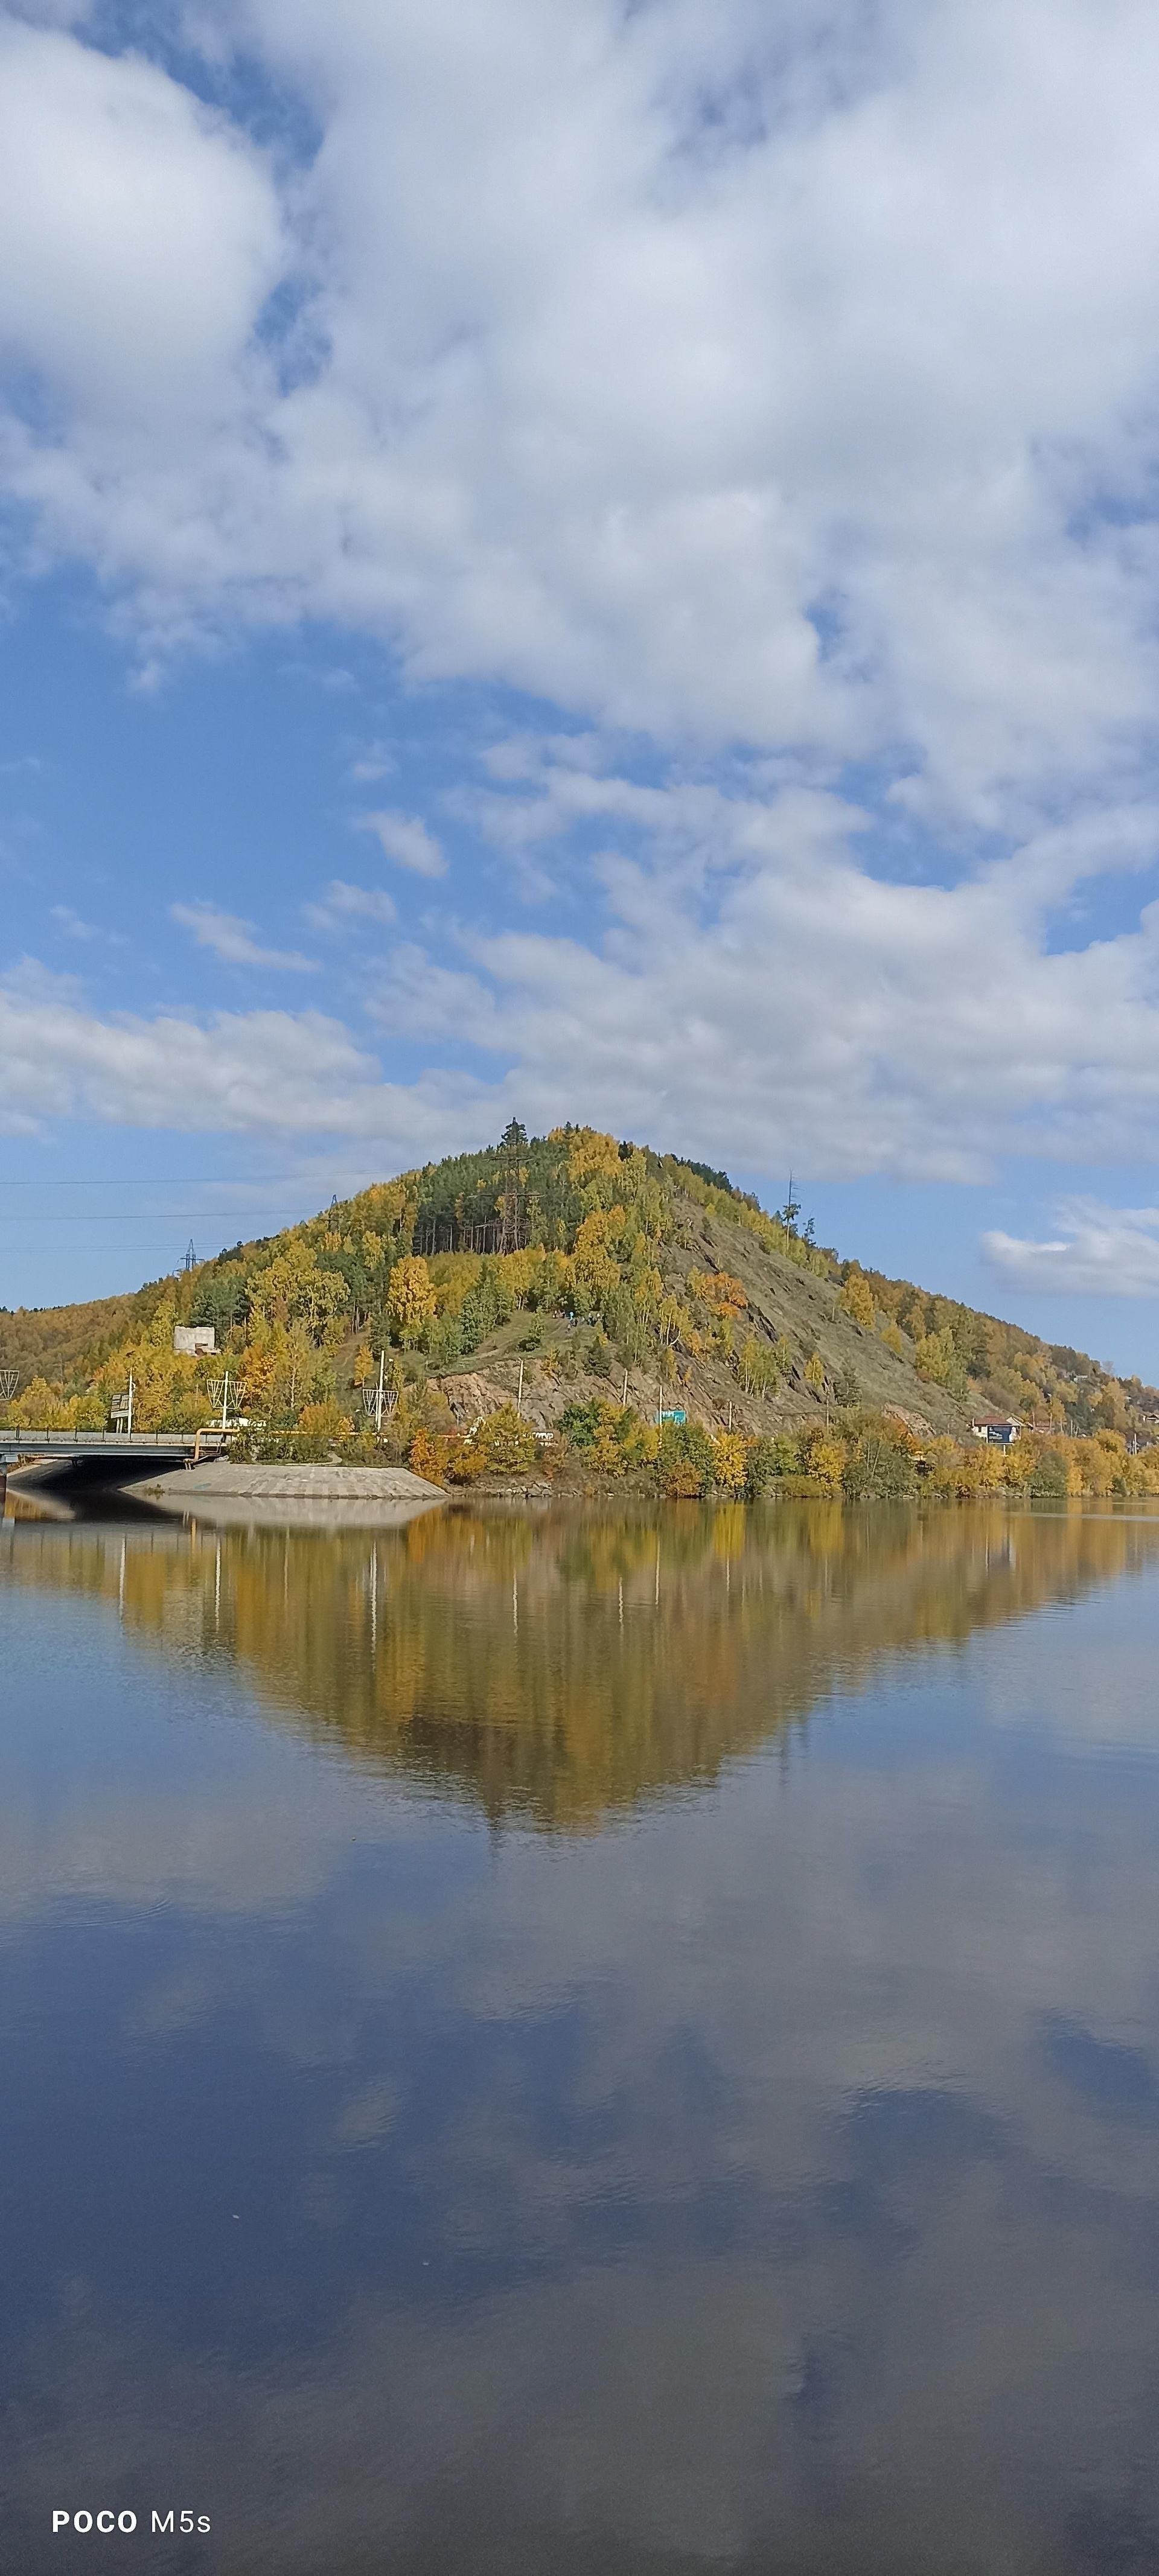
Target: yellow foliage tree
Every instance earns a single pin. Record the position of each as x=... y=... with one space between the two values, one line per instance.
x=590 y=1155
x=934 y=1356
x=857 y=1301
x=505 y=1441
x=814 y=1372
x=326 y=1422
x=411 y=1302
x=730 y=1454
x=827 y=1464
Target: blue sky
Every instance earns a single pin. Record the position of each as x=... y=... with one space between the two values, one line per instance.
x=602 y=571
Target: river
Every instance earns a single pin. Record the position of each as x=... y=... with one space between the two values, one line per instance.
x=582 y=2044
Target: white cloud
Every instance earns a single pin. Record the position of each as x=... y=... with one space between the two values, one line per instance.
x=375 y=762
x=1102 y=1252
x=149 y=233
x=731 y=374
x=406 y=839
x=744 y=989
x=341 y=904
x=257 y=1072
x=784 y=379
x=71 y=922
x=759 y=997
x=233 y=940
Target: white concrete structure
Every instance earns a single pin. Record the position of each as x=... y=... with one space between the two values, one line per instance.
x=195 y=1341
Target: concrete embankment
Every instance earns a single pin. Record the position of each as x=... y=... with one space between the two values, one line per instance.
x=325 y=1497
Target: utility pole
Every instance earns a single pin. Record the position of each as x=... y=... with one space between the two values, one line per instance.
x=224 y=1400
x=132 y=1392
x=378 y=1399
x=519 y=1397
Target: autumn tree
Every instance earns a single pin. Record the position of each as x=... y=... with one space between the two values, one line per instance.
x=857 y=1300
x=730 y=1452
x=411 y=1302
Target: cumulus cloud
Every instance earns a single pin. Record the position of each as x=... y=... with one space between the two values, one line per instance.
x=1101 y=1251
x=233 y=940
x=743 y=988
x=670 y=363
x=759 y=995
x=782 y=380
x=406 y=839
x=149 y=234
x=257 y=1072
x=342 y=904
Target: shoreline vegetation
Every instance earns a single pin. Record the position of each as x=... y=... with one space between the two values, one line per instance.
x=858 y=1459
x=581 y=1314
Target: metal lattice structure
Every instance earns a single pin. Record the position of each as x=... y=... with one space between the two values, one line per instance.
x=9 y=1381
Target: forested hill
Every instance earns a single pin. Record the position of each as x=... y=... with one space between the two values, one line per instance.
x=579 y=1262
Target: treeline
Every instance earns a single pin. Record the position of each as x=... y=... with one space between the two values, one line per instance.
x=974 y=1355
x=859 y=1455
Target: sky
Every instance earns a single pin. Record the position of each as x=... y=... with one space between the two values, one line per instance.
x=592 y=563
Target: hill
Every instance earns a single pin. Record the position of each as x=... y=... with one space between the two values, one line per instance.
x=569 y=1271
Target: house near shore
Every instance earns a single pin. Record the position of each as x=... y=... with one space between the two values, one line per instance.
x=1000 y=1429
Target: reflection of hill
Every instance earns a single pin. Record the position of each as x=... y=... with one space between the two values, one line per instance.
x=554 y=1667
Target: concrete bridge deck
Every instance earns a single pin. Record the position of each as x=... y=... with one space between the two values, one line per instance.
x=20 y=1448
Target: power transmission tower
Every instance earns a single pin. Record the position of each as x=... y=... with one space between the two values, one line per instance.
x=190 y=1256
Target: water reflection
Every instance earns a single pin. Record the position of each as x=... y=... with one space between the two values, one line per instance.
x=554 y=1667
x=744 y=2158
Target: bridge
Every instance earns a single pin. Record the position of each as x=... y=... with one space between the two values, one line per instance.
x=112 y=1449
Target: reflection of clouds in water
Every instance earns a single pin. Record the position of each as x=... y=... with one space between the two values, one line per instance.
x=791 y=2192
x=777 y=2162
x=1092 y=1689
x=699 y=2406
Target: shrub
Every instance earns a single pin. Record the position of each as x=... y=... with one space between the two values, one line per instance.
x=1049 y=1475
x=505 y=1441
x=880 y=1470
x=764 y=1467
x=325 y=1422
x=686 y=1460
x=444 y=1340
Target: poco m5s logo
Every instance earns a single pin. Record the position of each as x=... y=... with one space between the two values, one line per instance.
x=178 y=2518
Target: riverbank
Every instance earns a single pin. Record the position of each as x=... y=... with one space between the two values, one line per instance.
x=292 y=1496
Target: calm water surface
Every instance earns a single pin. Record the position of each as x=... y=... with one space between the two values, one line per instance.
x=595 y=2044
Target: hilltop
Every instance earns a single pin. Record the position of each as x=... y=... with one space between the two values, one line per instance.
x=568 y=1271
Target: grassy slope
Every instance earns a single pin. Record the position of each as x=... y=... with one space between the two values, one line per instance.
x=783 y=1300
